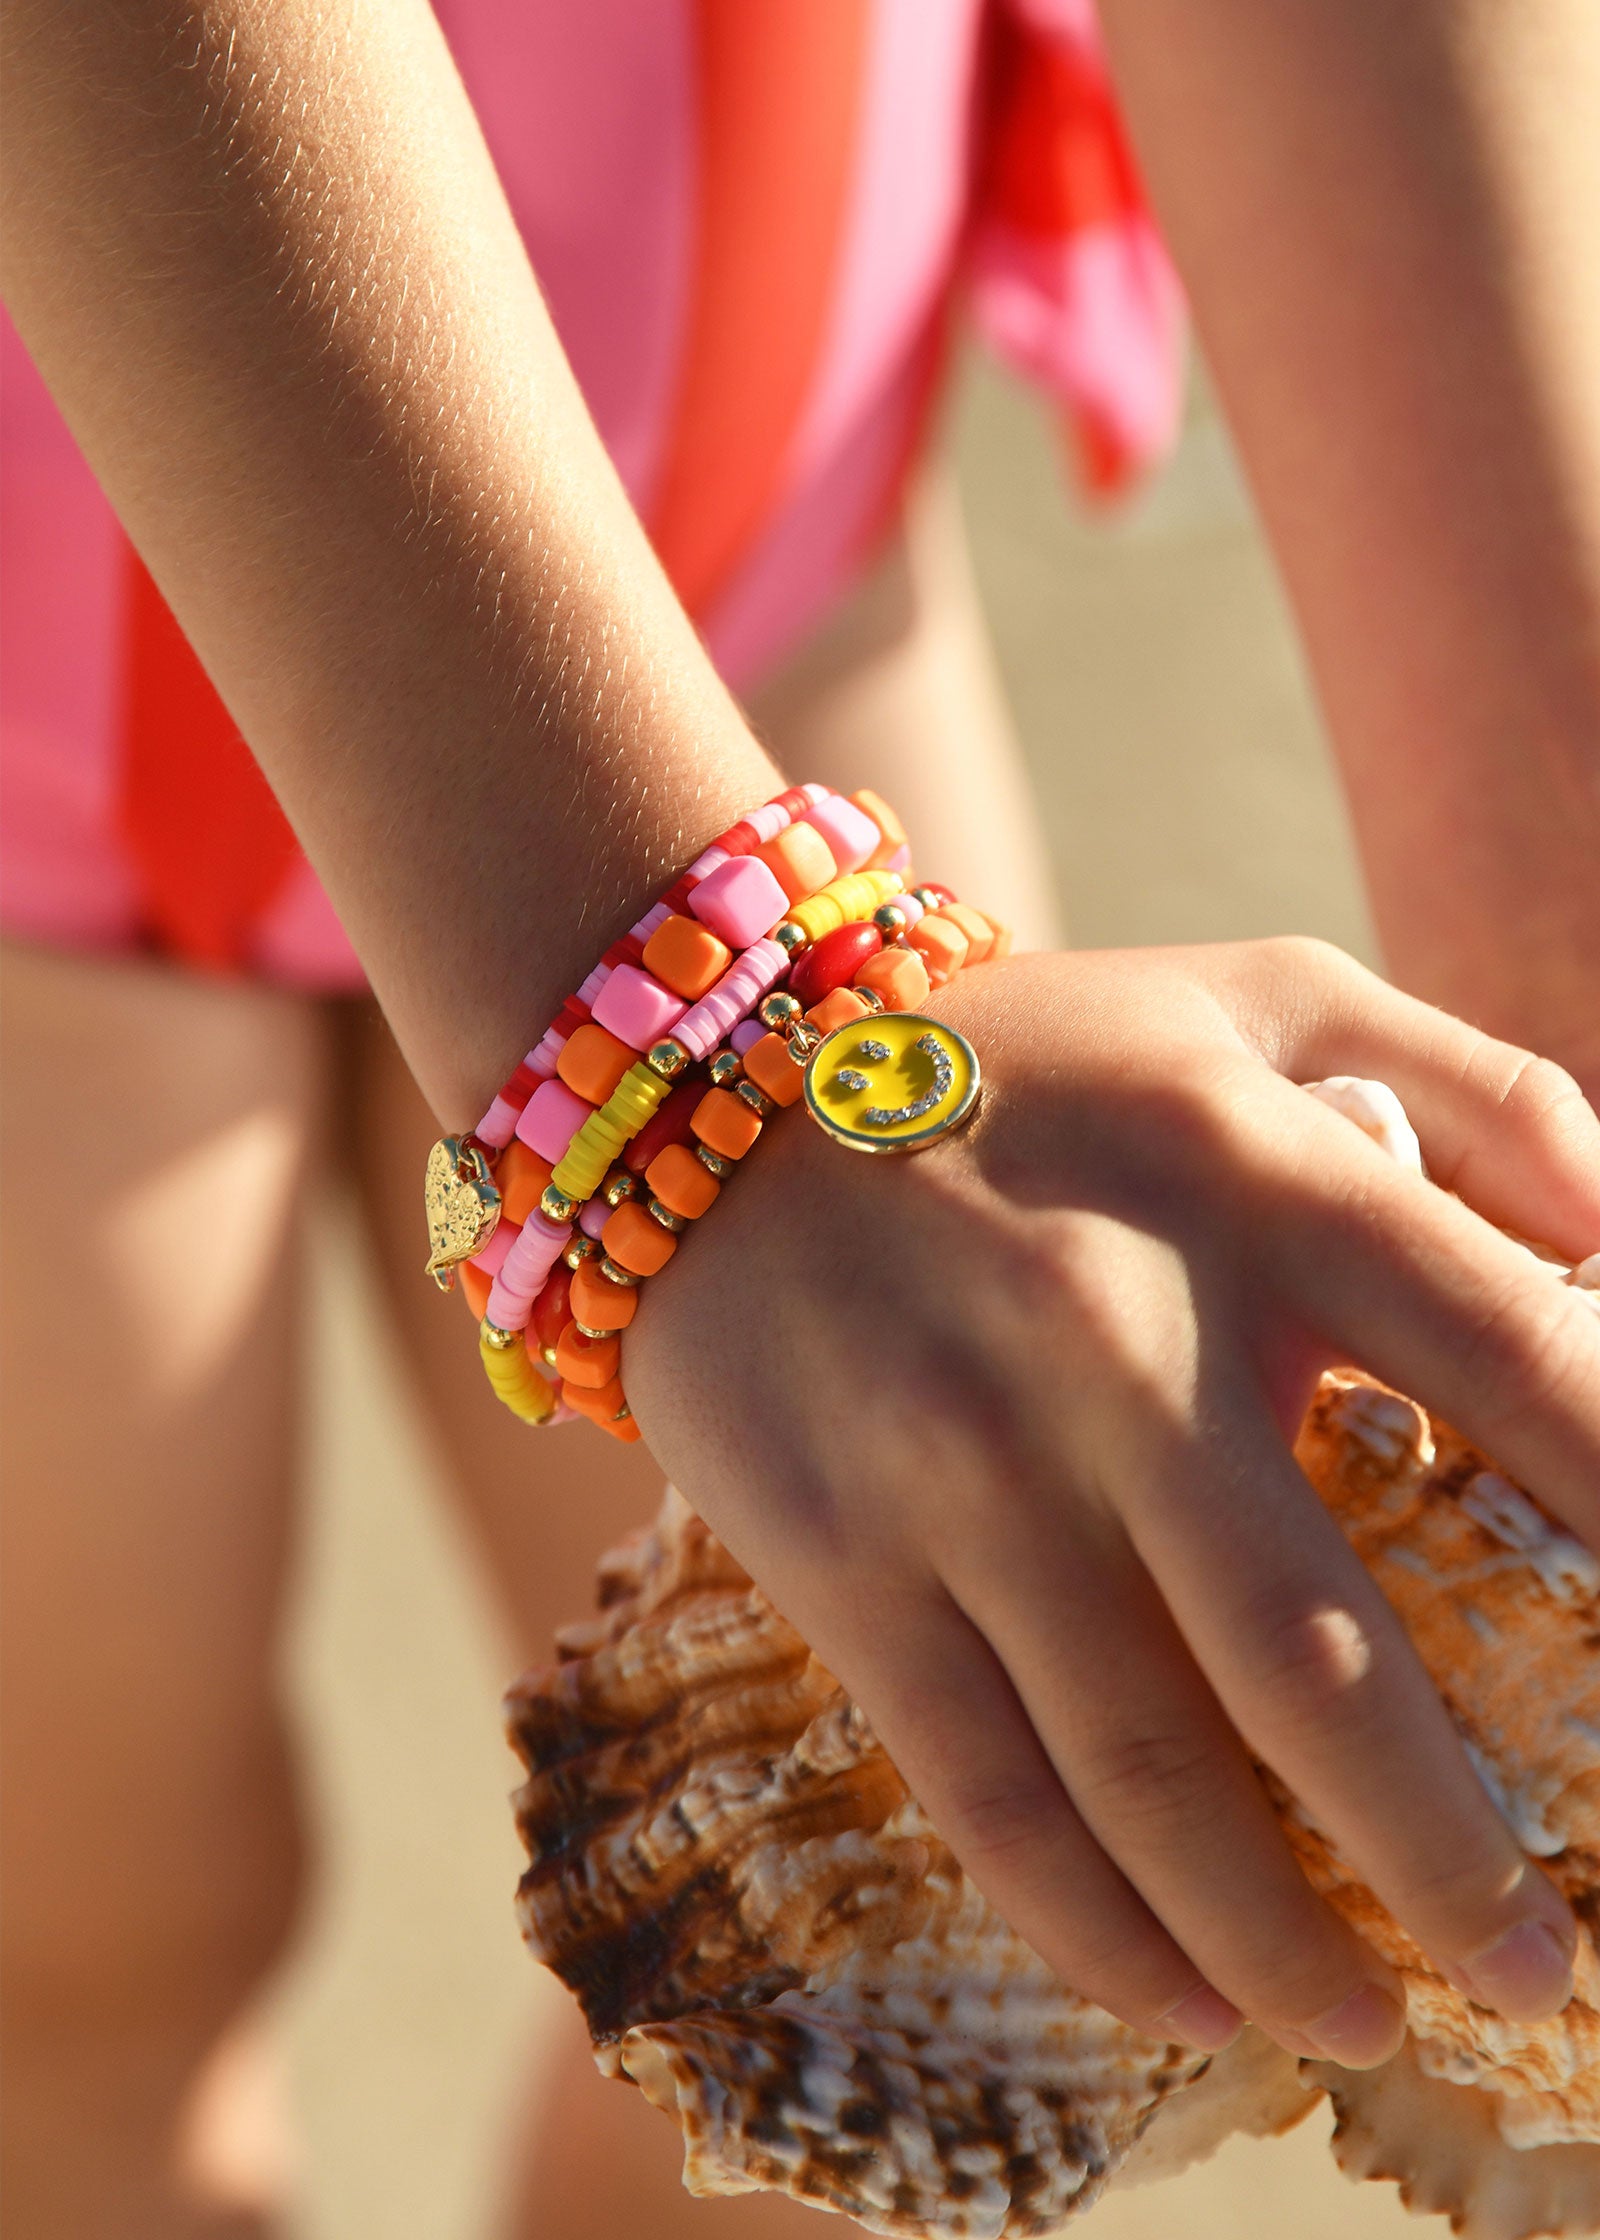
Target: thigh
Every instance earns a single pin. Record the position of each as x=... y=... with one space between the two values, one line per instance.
x=154 y=1130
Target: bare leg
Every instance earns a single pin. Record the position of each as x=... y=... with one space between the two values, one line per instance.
x=899 y=692
x=154 y=1130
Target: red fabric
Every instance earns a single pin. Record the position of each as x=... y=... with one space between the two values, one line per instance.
x=210 y=845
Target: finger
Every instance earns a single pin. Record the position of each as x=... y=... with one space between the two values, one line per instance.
x=1316 y=1672
x=1415 y=1287
x=953 y=1725
x=1159 y=1776
x=1510 y=1132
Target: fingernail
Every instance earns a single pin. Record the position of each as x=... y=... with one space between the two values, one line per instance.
x=1367 y=2029
x=1204 y=2020
x=1526 y=1976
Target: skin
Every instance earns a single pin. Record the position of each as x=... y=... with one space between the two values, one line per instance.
x=272 y=283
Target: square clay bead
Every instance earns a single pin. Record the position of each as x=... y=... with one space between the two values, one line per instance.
x=551 y=1118
x=686 y=957
x=593 y=1061
x=740 y=901
x=801 y=860
x=850 y=832
x=636 y=1008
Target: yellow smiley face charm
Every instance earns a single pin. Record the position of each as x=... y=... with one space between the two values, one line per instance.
x=894 y=1083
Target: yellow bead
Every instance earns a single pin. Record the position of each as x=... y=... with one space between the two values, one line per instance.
x=514 y=1377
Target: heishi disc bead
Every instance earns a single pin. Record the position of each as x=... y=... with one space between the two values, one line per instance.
x=899 y=976
x=799 y=859
x=686 y=957
x=522 y=1178
x=976 y=927
x=682 y=1184
x=600 y=1304
x=671 y=1122
x=635 y=1241
x=590 y=1362
x=941 y=945
x=838 y=1009
x=725 y=1125
x=593 y=1061
x=552 y=1310
x=771 y=1068
x=833 y=962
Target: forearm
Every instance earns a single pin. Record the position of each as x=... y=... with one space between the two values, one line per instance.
x=1386 y=218
x=262 y=259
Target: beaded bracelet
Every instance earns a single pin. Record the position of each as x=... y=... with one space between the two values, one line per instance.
x=851 y=973
x=674 y=968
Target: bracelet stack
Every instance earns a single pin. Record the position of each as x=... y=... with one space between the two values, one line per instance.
x=619 y=1127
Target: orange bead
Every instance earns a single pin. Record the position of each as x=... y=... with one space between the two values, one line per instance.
x=475 y=1288
x=976 y=927
x=591 y=1362
x=522 y=1179
x=800 y=860
x=1002 y=937
x=686 y=957
x=621 y=1427
x=888 y=824
x=636 y=1241
x=773 y=1071
x=597 y=1402
x=941 y=945
x=593 y=1061
x=898 y=975
x=838 y=1009
x=598 y=1302
x=725 y=1123
x=683 y=1183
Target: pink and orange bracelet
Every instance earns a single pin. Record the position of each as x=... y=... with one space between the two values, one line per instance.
x=606 y=1142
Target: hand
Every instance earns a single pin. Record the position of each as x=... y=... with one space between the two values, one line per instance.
x=1004 y=1429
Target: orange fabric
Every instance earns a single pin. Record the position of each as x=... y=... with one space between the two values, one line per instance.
x=779 y=86
x=211 y=844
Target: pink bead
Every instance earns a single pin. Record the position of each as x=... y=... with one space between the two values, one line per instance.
x=703 y=866
x=900 y=861
x=589 y=987
x=656 y=915
x=542 y=1057
x=551 y=1118
x=537 y=1247
x=740 y=901
x=815 y=793
x=493 y=1256
x=498 y=1125
x=733 y=998
x=745 y=1036
x=768 y=821
x=849 y=831
x=593 y=1216
x=636 y=1008
x=908 y=902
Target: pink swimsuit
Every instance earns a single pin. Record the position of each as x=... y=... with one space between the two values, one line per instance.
x=748 y=223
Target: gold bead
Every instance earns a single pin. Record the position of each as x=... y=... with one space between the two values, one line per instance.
x=676 y=1222
x=790 y=936
x=668 y=1058
x=871 y=998
x=890 y=920
x=615 y=1274
x=581 y=1248
x=557 y=1205
x=757 y=1099
x=620 y=1184
x=624 y=1414
x=584 y=1328
x=547 y=1354
x=776 y=1010
x=714 y=1160
x=724 y=1069
x=498 y=1340
x=926 y=896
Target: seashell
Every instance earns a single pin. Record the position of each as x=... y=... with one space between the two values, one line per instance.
x=771 y=1941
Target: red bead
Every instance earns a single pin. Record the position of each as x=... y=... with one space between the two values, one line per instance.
x=626 y=951
x=574 y=1012
x=940 y=894
x=740 y=839
x=552 y=1310
x=671 y=1122
x=676 y=899
x=795 y=800
x=832 y=962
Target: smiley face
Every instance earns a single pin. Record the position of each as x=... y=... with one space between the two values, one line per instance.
x=895 y=1083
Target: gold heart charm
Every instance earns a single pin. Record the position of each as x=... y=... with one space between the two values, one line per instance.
x=463 y=1206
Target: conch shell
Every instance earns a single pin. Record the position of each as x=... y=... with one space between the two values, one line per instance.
x=770 y=1939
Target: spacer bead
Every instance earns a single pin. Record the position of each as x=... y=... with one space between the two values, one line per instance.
x=777 y=1009
x=756 y=1099
x=550 y=1354
x=667 y=1218
x=621 y=1185
x=714 y=1161
x=615 y=1274
x=724 y=1069
x=668 y=1058
x=581 y=1248
x=890 y=920
x=789 y=936
x=557 y=1205
x=498 y=1340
